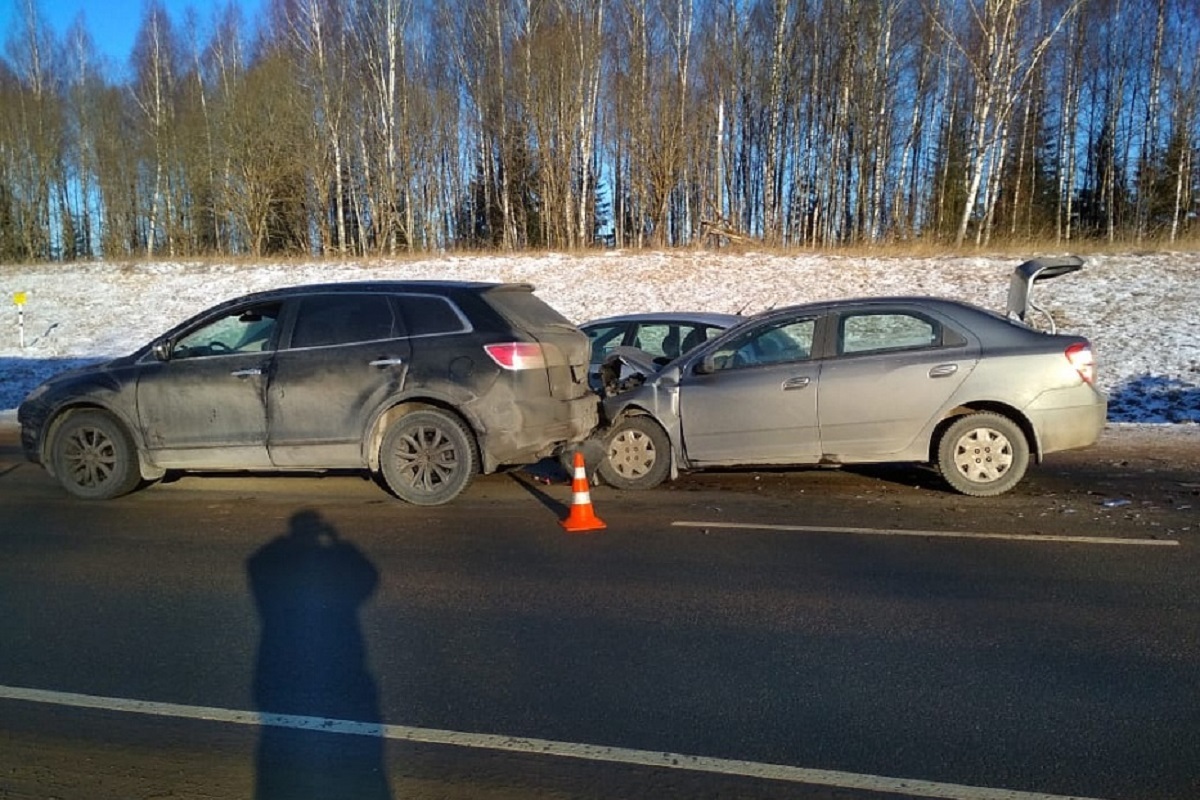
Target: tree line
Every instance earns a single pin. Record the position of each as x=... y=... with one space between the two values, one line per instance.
x=377 y=127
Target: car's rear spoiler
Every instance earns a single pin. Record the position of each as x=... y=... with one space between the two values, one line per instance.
x=1020 y=287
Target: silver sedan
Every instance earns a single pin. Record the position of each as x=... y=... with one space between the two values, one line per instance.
x=901 y=379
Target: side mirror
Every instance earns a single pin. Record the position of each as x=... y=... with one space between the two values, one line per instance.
x=705 y=366
x=162 y=350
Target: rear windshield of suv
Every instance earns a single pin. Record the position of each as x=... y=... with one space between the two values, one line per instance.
x=525 y=310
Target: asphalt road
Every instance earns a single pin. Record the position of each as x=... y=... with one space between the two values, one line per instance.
x=478 y=651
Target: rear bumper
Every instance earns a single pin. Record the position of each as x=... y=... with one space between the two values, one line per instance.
x=526 y=432
x=1067 y=419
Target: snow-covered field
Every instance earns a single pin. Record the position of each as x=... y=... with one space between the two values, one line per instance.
x=1141 y=312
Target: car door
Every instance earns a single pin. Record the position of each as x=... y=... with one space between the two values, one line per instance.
x=754 y=399
x=344 y=354
x=201 y=401
x=894 y=370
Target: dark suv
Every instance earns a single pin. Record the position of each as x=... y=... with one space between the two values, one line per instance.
x=423 y=383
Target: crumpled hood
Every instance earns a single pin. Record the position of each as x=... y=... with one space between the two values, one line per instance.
x=637 y=359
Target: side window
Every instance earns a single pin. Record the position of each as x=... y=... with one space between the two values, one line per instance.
x=245 y=330
x=871 y=333
x=671 y=340
x=658 y=339
x=430 y=315
x=605 y=338
x=334 y=319
x=697 y=335
x=774 y=343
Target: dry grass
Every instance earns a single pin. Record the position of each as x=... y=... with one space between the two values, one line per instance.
x=1004 y=249
x=893 y=249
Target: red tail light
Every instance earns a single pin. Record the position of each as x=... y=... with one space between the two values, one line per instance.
x=517 y=355
x=1083 y=360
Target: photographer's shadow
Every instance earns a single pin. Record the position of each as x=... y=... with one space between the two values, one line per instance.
x=308 y=585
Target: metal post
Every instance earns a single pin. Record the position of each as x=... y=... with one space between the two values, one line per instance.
x=19 y=299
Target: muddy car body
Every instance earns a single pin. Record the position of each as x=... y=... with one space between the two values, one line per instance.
x=422 y=383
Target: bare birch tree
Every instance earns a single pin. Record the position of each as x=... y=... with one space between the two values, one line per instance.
x=991 y=48
x=82 y=93
x=36 y=133
x=153 y=60
x=1184 y=149
x=315 y=33
x=375 y=126
x=270 y=132
x=1148 y=159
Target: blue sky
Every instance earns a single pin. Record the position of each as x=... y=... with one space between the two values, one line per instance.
x=113 y=24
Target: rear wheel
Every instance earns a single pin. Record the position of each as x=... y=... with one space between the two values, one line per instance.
x=983 y=454
x=93 y=456
x=637 y=454
x=427 y=458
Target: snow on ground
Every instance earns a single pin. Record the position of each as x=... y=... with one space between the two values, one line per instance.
x=1141 y=311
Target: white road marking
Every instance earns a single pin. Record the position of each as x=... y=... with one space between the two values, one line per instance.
x=1020 y=537
x=543 y=747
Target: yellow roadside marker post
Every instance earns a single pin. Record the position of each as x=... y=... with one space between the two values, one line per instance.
x=19 y=299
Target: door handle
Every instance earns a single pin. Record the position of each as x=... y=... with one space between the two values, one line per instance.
x=795 y=383
x=943 y=370
x=387 y=362
x=250 y=372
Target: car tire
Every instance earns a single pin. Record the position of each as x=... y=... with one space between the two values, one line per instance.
x=427 y=458
x=983 y=454
x=94 y=457
x=637 y=454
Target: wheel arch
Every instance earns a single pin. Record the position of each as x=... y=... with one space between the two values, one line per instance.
x=1002 y=409
x=374 y=440
x=148 y=470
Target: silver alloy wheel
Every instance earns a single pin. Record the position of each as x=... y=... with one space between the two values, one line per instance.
x=983 y=455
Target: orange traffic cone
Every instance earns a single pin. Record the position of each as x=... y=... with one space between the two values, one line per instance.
x=582 y=518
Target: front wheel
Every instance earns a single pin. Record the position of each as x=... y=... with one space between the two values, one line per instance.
x=93 y=456
x=427 y=458
x=637 y=454
x=983 y=455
